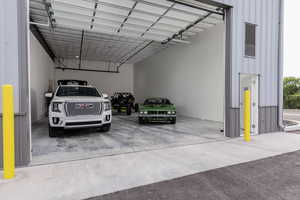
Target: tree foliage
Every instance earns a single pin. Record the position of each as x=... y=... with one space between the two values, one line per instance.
x=291 y=93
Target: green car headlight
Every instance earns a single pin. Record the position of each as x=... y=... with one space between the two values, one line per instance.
x=173 y=112
x=169 y=112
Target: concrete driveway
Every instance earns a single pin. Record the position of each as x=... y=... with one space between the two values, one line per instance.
x=292 y=115
x=274 y=178
x=291 y=120
x=98 y=176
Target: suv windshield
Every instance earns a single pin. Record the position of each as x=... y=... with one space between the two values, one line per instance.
x=157 y=102
x=77 y=91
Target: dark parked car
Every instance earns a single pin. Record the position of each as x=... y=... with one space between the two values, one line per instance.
x=123 y=102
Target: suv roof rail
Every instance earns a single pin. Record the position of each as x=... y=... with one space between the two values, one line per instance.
x=72 y=82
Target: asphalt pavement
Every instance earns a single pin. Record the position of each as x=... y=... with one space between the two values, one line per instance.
x=267 y=179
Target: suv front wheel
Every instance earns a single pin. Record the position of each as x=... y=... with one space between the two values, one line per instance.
x=53 y=132
x=105 y=128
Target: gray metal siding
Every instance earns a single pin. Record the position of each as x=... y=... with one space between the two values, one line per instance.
x=265 y=14
x=9 y=70
x=268 y=121
x=22 y=141
x=234 y=126
x=268 y=117
x=18 y=28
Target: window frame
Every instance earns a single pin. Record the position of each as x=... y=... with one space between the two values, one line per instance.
x=246 y=55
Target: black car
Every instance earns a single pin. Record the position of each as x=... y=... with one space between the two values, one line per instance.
x=123 y=102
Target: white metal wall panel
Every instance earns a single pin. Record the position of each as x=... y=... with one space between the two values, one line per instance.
x=265 y=14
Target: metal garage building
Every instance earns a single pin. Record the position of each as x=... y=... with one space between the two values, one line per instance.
x=253 y=56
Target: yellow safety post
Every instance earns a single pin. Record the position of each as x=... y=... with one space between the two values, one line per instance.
x=247 y=115
x=8 y=131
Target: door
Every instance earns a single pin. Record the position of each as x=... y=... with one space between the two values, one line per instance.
x=251 y=82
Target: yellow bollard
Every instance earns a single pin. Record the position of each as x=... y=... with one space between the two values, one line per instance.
x=247 y=115
x=8 y=132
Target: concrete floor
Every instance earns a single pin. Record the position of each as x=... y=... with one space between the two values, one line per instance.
x=126 y=136
x=87 y=178
x=274 y=178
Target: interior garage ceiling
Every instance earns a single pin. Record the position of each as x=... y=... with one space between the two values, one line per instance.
x=119 y=31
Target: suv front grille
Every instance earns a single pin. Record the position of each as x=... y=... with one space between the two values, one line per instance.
x=83 y=108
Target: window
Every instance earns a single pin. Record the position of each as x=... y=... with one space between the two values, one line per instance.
x=250 y=40
x=77 y=91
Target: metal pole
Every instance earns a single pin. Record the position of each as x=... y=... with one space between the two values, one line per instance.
x=80 y=53
x=8 y=132
x=247 y=115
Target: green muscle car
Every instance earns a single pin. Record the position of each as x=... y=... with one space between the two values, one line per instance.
x=157 y=110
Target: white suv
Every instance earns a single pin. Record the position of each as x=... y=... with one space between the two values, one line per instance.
x=78 y=106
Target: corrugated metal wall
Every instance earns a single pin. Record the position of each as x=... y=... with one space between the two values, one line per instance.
x=265 y=14
x=14 y=70
x=9 y=63
x=22 y=141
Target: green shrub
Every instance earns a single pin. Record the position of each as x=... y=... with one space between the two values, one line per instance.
x=292 y=101
x=291 y=92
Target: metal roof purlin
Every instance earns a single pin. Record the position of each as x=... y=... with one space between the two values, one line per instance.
x=125 y=20
x=159 y=19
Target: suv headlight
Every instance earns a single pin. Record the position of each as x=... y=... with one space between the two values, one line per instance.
x=56 y=107
x=107 y=106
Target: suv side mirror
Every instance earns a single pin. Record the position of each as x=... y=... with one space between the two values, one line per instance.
x=48 y=95
x=105 y=96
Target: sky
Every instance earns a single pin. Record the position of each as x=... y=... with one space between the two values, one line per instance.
x=292 y=38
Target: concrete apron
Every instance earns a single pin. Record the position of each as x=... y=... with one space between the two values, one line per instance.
x=92 y=177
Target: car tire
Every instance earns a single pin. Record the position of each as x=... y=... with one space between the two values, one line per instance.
x=141 y=120
x=105 y=128
x=136 y=107
x=173 y=121
x=128 y=110
x=53 y=132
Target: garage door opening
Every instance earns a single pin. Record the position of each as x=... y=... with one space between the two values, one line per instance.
x=173 y=50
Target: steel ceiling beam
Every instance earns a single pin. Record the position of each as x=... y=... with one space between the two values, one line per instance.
x=89 y=36
x=125 y=20
x=167 y=10
x=87 y=70
x=128 y=9
x=198 y=7
x=80 y=52
x=47 y=8
x=187 y=28
x=135 y=53
x=38 y=35
x=139 y=1
x=141 y=21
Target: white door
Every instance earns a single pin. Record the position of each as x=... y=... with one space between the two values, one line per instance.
x=251 y=82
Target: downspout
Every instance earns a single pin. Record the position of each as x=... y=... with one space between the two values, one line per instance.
x=280 y=65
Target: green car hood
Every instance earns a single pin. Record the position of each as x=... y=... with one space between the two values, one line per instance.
x=157 y=107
